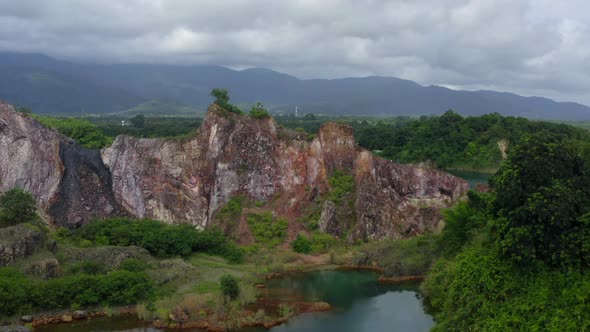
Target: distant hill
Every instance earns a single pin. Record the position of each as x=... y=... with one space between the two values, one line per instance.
x=48 y=85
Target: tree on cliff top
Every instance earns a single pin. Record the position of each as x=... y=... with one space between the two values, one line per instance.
x=17 y=206
x=222 y=99
x=258 y=111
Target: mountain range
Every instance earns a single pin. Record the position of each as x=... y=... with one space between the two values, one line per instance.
x=48 y=85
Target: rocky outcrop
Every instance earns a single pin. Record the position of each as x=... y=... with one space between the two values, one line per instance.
x=20 y=241
x=186 y=181
x=29 y=156
x=69 y=182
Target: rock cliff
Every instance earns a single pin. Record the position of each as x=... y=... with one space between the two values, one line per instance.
x=187 y=180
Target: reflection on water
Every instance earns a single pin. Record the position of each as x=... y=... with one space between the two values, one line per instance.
x=359 y=304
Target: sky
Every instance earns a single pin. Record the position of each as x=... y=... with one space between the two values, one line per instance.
x=529 y=47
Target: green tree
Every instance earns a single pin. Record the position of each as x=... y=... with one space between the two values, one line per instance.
x=222 y=99
x=138 y=121
x=17 y=206
x=258 y=111
x=542 y=195
x=301 y=244
x=221 y=96
x=229 y=287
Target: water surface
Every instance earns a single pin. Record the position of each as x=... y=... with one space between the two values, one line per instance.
x=473 y=178
x=359 y=304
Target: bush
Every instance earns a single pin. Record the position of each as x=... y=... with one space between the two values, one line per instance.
x=258 y=111
x=83 y=131
x=340 y=184
x=267 y=229
x=161 y=240
x=222 y=99
x=17 y=206
x=87 y=268
x=322 y=242
x=133 y=265
x=301 y=244
x=480 y=291
x=229 y=287
x=19 y=294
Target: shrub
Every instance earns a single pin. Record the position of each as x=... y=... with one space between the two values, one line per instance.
x=133 y=265
x=222 y=99
x=267 y=229
x=301 y=244
x=321 y=242
x=19 y=294
x=229 y=287
x=87 y=268
x=83 y=131
x=161 y=240
x=340 y=184
x=17 y=206
x=258 y=111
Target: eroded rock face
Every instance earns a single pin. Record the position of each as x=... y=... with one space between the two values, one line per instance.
x=19 y=241
x=29 y=156
x=186 y=181
x=70 y=183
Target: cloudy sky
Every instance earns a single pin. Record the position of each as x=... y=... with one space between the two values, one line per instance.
x=530 y=47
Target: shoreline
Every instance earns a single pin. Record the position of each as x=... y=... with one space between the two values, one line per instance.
x=248 y=314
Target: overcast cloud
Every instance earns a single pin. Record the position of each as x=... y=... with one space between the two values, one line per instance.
x=530 y=47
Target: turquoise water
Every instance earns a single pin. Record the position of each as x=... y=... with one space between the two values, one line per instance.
x=472 y=177
x=359 y=304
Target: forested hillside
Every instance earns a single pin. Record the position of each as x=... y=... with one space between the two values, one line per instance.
x=518 y=258
x=447 y=141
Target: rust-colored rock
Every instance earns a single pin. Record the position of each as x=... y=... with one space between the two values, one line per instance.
x=187 y=181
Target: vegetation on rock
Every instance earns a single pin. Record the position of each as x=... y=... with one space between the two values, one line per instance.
x=162 y=240
x=267 y=229
x=17 y=206
x=81 y=130
x=222 y=99
x=259 y=112
x=19 y=294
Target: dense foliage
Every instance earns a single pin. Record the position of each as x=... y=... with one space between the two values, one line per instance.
x=160 y=239
x=17 y=206
x=451 y=140
x=258 y=111
x=301 y=244
x=267 y=229
x=19 y=294
x=517 y=258
x=447 y=141
x=222 y=99
x=341 y=184
x=543 y=199
x=81 y=130
x=229 y=287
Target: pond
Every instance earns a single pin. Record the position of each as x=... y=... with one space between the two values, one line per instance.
x=472 y=177
x=359 y=304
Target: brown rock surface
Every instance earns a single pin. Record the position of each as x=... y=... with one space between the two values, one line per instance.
x=187 y=180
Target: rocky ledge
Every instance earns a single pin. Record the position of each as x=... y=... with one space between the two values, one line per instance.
x=187 y=181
